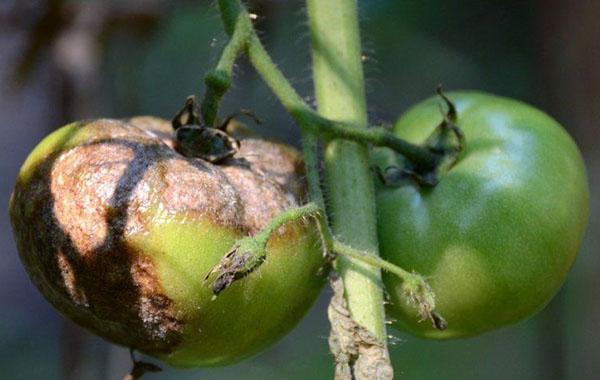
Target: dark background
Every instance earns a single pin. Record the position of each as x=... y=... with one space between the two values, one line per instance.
x=61 y=61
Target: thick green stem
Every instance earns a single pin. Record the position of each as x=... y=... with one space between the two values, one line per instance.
x=340 y=95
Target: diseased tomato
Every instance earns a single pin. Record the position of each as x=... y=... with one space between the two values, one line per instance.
x=497 y=235
x=118 y=231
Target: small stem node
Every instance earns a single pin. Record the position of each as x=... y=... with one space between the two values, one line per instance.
x=218 y=80
x=217 y=83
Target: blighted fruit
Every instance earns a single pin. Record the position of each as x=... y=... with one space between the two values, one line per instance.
x=118 y=230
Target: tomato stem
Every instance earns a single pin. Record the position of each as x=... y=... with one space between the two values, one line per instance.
x=419 y=155
x=340 y=94
x=219 y=80
x=244 y=39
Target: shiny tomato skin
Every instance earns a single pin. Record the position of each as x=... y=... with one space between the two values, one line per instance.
x=498 y=235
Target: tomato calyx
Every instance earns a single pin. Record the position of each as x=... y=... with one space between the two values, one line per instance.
x=447 y=142
x=194 y=139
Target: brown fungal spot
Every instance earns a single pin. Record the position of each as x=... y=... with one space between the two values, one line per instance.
x=261 y=197
x=193 y=187
x=69 y=280
x=155 y=309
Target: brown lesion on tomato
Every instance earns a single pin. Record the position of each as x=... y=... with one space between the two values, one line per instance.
x=71 y=222
x=69 y=281
x=278 y=162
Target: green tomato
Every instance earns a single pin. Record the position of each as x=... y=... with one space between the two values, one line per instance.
x=118 y=231
x=497 y=236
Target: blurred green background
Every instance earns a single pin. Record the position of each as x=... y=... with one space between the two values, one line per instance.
x=65 y=60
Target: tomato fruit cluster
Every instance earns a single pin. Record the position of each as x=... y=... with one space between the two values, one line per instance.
x=497 y=235
x=118 y=230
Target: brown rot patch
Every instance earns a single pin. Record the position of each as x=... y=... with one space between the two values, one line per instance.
x=71 y=222
x=69 y=280
x=280 y=163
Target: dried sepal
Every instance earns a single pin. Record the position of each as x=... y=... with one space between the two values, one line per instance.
x=244 y=257
x=420 y=295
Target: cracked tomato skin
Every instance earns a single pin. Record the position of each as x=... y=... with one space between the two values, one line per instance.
x=497 y=236
x=118 y=230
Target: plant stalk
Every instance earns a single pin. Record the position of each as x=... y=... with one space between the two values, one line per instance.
x=340 y=94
